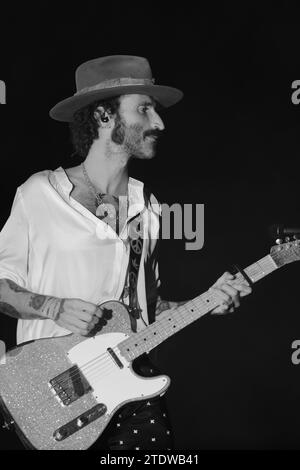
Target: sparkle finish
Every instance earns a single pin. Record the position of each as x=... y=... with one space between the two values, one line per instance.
x=26 y=395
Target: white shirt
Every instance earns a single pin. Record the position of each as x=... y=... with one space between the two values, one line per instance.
x=52 y=245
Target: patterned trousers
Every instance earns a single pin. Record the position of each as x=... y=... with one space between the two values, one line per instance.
x=140 y=425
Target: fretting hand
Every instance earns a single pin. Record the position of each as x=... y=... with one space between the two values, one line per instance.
x=229 y=290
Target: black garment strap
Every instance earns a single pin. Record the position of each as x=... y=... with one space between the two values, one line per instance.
x=136 y=249
x=136 y=242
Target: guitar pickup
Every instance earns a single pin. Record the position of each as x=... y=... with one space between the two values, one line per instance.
x=69 y=386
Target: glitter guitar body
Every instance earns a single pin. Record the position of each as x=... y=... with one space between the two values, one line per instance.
x=40 y=409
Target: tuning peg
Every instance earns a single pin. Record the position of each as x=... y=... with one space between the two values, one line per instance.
x=278 y=241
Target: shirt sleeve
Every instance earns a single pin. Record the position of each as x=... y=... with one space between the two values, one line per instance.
x=14 y=244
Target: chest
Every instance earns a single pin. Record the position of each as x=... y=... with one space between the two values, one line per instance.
x=86 y=199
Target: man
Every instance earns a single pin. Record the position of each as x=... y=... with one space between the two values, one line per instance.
x=66 y=246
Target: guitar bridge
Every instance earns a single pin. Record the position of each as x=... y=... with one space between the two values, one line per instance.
x=69 y=386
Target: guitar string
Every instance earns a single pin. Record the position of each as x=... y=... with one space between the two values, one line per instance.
x=107 y=366
x=93 y=369
x=90 y=364
x=95 y=362
x=89 y=367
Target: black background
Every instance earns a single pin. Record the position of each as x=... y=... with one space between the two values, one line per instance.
x=232 y=143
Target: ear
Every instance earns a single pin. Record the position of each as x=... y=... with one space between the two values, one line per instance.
x=100 y=111
x=103 y=117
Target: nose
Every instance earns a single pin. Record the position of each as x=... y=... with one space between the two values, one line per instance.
x=157 y=122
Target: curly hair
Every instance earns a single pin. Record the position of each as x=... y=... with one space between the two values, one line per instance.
x=84 y=127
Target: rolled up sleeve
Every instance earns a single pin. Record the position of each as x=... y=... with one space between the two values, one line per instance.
x=14 y=244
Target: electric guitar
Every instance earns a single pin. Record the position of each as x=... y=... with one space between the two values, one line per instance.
x=60 y=393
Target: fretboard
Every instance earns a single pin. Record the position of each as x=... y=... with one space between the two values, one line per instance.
x=172 y=321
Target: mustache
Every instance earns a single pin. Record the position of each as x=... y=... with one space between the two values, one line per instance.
x=155 y=133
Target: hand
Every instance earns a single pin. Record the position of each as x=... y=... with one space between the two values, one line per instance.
x=78 y=316
x=229 y=290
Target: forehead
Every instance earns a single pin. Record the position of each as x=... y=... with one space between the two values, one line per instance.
x=130 y=101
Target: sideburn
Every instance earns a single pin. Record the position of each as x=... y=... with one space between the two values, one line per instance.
x=118 y=132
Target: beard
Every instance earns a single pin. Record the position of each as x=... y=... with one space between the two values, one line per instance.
x=136 y=142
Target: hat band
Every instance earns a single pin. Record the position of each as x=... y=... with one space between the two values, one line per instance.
x=116 y=82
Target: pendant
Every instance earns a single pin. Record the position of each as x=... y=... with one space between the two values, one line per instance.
x=101 y=211
x=104 y=211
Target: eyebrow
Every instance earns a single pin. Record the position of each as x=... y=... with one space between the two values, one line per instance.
x=147 y=103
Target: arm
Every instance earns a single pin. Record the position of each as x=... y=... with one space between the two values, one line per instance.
x=17 y=302
x=75 y=315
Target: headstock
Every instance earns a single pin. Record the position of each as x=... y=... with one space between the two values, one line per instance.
x=287 y=252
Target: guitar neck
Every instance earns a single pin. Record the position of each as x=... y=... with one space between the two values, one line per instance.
x=172 y=321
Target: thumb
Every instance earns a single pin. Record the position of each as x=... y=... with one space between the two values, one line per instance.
x=98 y=312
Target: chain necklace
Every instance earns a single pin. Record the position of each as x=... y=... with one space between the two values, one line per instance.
x=102 y=210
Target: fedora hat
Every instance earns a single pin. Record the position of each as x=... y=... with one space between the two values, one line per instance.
x=106 y=77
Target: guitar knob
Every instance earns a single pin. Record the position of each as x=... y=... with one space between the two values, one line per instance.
x=278 y=241
x=8 y=425
x=287 y=239
x=79 y=423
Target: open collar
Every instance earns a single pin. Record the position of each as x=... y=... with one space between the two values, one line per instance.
x=60 y=180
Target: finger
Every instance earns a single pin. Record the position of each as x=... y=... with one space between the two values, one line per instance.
x=226 y=277
x=239 y=285
x=221 y=310
x=98 y=312
x=243 y=288
x=223 y=296
x=233 y=293
x=245 y=291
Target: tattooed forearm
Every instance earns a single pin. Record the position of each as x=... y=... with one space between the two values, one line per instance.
x=52 y=307
x=14 y=287
x=9 y=310
x=18 y=302
x=36 y=301
x=163 y=305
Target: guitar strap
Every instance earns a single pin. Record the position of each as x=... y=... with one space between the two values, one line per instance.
x=136 y=242
x=136 y=249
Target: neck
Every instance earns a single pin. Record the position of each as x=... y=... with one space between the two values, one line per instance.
x=107 y=169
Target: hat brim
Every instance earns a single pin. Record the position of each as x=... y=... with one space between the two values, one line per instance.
x=64 y=110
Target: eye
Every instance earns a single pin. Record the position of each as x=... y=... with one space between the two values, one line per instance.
x=143 y=109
